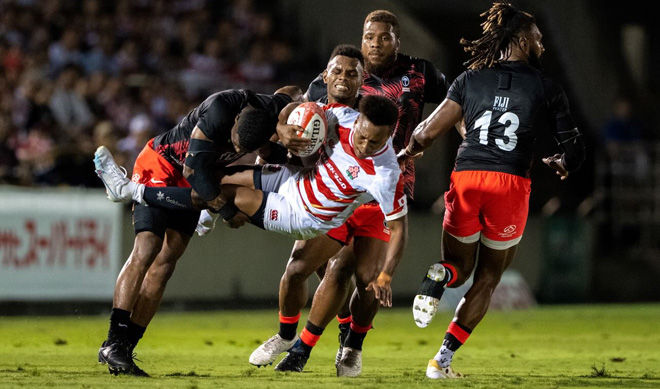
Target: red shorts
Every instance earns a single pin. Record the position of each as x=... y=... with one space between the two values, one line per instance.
x=151 y=169
x=367 y=221
x=493 y=203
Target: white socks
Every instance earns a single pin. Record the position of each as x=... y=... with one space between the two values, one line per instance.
x=137 y=191
x=444 y=356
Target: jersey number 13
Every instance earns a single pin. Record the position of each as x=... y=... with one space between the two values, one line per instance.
x=509 y=120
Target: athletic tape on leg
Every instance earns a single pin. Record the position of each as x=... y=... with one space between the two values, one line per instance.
x=430 y=287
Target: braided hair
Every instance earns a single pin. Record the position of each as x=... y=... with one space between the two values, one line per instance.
x=502 y=25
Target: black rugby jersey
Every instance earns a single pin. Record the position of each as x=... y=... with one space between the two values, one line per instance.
x=215 y=116
x=410 y=82
x=502 y=107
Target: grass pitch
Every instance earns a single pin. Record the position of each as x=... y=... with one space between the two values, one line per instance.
x=569 y=346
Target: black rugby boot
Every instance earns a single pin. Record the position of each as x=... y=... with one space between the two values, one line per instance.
x=295 y=360
x=119 y=358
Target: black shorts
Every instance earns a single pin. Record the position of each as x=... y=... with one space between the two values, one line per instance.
x=157 y=220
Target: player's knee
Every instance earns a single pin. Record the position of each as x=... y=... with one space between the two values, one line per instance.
x=339 y=269
x=248 y=201
x=297 y=270
x=142 y=257
x=364 y=275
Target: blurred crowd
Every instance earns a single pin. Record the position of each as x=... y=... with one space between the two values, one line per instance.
x=75 y=74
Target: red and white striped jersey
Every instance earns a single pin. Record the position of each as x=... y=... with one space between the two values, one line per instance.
x=340 y=182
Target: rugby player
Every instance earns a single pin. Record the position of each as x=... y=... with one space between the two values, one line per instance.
x=410 y=83
x=217 y=132
x=503 y=98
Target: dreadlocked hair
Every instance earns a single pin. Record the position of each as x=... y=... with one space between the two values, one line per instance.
x=503 y=23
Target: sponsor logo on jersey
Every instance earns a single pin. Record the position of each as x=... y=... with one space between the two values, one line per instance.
x=335 y=175
x=160 y=196
x=501 y=103
x=352 y=172
x=154 y=181
x=405 y=83
x=274 y=214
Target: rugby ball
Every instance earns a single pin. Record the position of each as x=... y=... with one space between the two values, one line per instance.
x=311 y=117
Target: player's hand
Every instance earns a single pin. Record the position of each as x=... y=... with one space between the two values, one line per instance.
x=403 y=157
x=554 y=162
x=382 y=289
x=289 y=135
x=238 y=220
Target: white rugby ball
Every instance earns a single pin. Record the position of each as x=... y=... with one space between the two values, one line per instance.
x=311 y=117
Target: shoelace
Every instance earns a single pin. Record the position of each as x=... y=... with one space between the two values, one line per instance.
x=351 y=358
x=270 y=344
x=119 y=171
x=135 y=358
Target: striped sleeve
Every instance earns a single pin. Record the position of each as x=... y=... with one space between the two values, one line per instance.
x=387 y=190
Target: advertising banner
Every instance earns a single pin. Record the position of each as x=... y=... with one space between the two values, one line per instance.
x=58 y=245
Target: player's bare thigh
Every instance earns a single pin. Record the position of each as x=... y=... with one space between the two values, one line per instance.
x=309 y=255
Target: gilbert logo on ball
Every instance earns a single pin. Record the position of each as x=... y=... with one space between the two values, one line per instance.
x=312 y=119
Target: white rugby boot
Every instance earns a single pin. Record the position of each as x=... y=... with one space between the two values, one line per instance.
x=350 y=364
x=425 y=304
x=270 y=349
x=117 y=185
x=434 y=371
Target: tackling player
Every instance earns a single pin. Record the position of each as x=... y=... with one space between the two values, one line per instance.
x=410 y=83
x=356 y=164
x=503 y=97
x=220 y=130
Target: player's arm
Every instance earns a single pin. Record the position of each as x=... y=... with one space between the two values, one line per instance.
x=443 y=118
x=435 y=84
x=199 y=170
x=316 y=90
x=293 y=91
x=569 y=139
x=398 y=239
x=273 y=153
x=205 y=179
x=567 y=135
